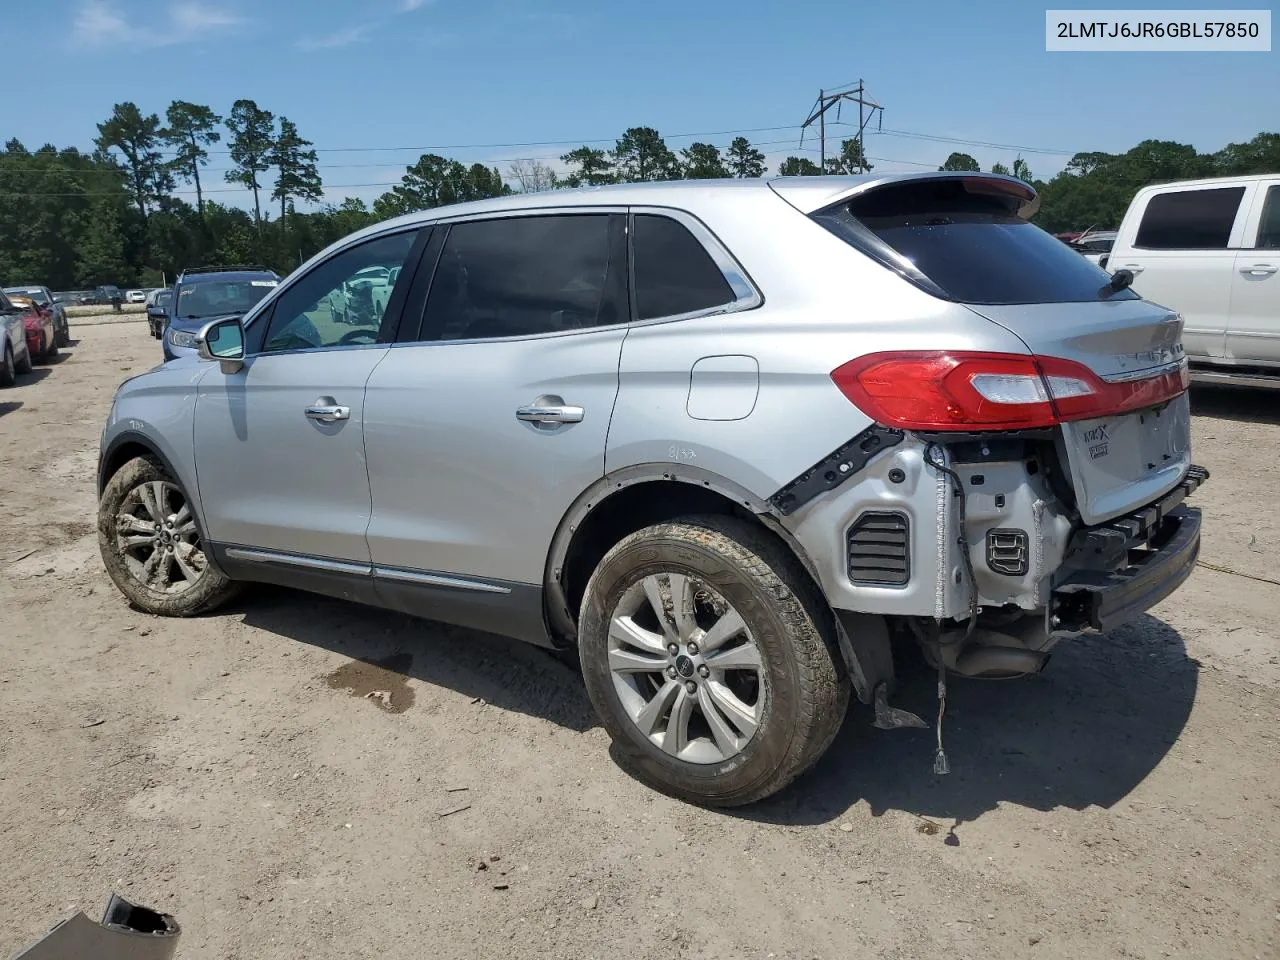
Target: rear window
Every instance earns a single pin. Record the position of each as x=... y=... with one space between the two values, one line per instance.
x=1189 y=219
x=966 y=245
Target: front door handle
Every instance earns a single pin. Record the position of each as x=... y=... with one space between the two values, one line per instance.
x=1259 y=269
x=550 y=410
x=1134 y=268
x=326 y=411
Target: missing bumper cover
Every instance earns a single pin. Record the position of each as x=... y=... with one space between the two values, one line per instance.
x=835 y=468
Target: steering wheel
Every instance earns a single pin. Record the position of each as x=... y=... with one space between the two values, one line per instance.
x=355 y=337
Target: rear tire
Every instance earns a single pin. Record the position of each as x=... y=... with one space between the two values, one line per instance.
x=24 y=365
x=152 y=547
x=740 y=712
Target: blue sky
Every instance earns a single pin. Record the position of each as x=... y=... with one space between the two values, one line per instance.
x=495 y=80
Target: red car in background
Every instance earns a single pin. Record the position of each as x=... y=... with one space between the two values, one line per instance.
x=37 y=321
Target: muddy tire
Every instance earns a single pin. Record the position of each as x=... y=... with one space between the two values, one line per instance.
x=711 y=660
x=152 y=547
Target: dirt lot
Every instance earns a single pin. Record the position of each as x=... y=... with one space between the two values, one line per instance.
x=230 y=770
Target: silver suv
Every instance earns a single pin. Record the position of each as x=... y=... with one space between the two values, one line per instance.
x=729 y=441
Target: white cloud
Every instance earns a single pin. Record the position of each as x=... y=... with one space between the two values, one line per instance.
x=191 y=18
x=408 y=6
x=99 y=23
x=339 y=38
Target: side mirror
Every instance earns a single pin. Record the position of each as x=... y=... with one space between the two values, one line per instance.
x=222 y=340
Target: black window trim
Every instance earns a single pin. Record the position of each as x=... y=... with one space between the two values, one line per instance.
x=1242 y=211
x=426 y=277
x=257 y=324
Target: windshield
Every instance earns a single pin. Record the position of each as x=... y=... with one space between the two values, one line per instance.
x=34 y=293
x=213 y=298
x=967 y=246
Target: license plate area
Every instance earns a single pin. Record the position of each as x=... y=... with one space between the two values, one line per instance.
x=1122 y=462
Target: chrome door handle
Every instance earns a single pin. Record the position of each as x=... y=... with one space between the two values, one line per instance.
x=550 y=413
x=1134 y=268
x=328 y=413
x=1259 y=269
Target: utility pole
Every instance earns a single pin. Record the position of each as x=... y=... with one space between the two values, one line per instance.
x=853 y=93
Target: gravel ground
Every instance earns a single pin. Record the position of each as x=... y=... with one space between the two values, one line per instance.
x=233 y=771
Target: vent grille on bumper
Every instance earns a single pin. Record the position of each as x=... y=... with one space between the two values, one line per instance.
x=879 y=549
x=1007 y=552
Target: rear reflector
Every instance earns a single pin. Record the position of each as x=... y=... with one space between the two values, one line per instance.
x=968 y=390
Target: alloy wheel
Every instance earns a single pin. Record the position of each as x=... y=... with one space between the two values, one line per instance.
x=156 y=536
x=686 y=668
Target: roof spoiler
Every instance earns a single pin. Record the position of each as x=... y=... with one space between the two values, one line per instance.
x=811 y=194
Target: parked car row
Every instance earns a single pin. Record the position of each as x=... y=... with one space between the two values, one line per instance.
x=35 y=326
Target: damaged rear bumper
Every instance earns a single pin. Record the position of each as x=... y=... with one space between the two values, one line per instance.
x=1116 y=571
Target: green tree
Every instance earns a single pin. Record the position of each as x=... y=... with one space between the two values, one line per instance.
x=851 y=159
x=297 y=177
x=591 y=167
x=702 y=161
x=191 y=128
x=744 y=160
x=641 y=154
x=435 y=181
x=1020 y=169
x=960 y=162
x=799 y=167
x=102 y=245
x=1000 y=168
x=138 y=139
x=1259 y=155
x=252 y=137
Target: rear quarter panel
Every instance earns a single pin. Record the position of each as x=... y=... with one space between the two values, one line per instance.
x=824 y=304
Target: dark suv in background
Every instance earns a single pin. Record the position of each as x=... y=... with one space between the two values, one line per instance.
x=205 y=293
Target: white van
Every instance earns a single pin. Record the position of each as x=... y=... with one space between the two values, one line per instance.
x=1210 y=249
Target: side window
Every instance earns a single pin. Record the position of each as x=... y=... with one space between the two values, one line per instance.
x=1189 y=219
x=341 y=301
x=674 y=274
x=522 y=276
x=1269 y=228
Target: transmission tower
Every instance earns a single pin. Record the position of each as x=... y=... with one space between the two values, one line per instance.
x=867 y=110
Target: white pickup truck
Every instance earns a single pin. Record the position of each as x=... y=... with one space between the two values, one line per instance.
x=1210 y=249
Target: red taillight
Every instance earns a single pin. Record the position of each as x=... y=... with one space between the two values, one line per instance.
x=964 y=390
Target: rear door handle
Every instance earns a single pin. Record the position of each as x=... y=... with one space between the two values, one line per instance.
x=326 y=411
x=550 y=410
x=1134 y=268
x=1259 y=269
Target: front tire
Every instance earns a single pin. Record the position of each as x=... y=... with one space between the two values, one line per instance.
x=711 y=659
x=152 y=547
x=8 y=369
x=64 y=336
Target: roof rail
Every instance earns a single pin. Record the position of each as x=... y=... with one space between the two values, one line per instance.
x=230 y=268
